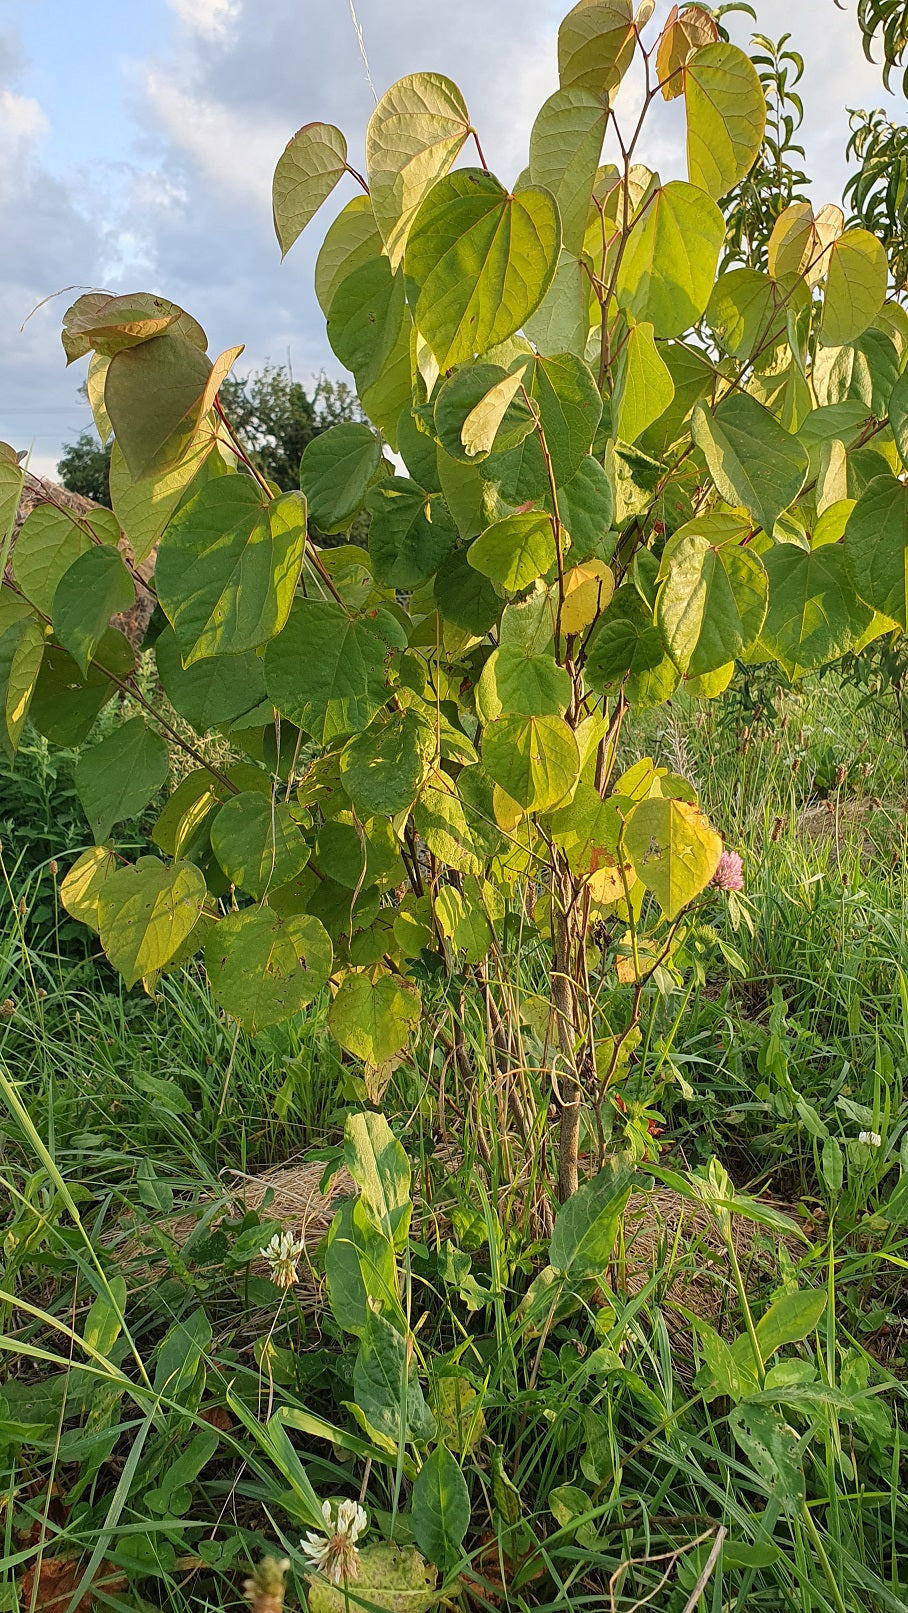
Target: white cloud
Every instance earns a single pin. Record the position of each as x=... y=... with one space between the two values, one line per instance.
x=211 y=19
x=235 y=152
x=21 y=117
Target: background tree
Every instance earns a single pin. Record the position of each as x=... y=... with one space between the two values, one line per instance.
x=85 y=466
x=274 y=416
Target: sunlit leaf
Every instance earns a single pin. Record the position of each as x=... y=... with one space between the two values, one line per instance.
x=480 y=261
x=306 y=174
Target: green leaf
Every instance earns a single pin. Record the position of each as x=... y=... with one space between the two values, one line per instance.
x=462 y=917
x=480 y=261
x=212 y=691
x=726 y=116
x=352 y=240
x=441 y=821
x=477 y=408
x=515 y=551
x=258 y=843
x=108 y=324
x=47 y=544
x=563 y=390
x=413 y=137
x=386 y=1385
x=336 y=470
x=464 y=596
x=643 y=385
x=773 y=1450
x=587 y=1225
x=307 y=171
x=228 y=565
x=565 y=147
x=876 y=548
x=373 y=1018
x=562 y=322
x=586 y=505
x=626 y=650
x=527 y=685
x=410 y=534
x=674 y=850
x=21 y=656
x=143 y=505
x=356 y=855
x=80 y=889
x=96 y=587
x=855 y=287
x=898 y=416
x=263 y=968
x=720 y=1373
x=596 y=45
x=181 y=829
x=145 y=913
x=814 y=616
x=790 y=1319
x=441 y=1508
x=745 y=311
x=669 y=264
x=65 y=704
x=752 y=459
x=379 y=1167
x=535 y=760
x=12 y=477
x=367 y=319
x=712 y=604
x=326 y=671
x=383 y=767
x=154 y=395
x=359 y=1268
x=118 y=777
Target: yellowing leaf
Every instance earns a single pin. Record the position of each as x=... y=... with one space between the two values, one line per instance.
x=588 y=589
x=674 y=849
x=792 y=240
x=683 y=33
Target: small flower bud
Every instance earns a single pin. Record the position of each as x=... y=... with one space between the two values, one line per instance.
x=53 y=867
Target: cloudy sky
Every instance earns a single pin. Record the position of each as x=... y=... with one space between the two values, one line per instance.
x=137 y=143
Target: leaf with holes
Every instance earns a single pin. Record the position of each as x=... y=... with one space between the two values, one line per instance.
x=263 y=968
x=674 y=850
x=374 y=1016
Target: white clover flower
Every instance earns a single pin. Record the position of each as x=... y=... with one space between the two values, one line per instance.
x=871 y=1138
x=335 y=1553
x=282 y=1254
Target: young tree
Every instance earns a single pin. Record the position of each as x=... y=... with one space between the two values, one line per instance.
x=624 y=474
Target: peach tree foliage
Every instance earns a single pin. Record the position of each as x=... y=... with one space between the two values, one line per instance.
x=596 y=473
